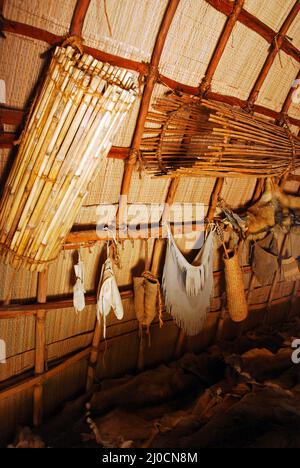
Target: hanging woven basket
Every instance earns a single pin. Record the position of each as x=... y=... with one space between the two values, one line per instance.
x=187 y=136
x=69 y=131
x=235 y=289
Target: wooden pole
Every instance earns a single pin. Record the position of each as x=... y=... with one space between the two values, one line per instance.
x=152 y=79
x=256 y=25
x=40 y=348
x=79 y=15
x=277 y=44
x=221 y=45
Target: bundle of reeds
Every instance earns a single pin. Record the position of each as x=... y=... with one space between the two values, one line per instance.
x=68 y=133
x=187 y=136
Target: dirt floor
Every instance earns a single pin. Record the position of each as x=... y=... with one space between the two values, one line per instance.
x=244 y=393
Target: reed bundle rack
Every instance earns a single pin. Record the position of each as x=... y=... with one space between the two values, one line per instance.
x=69 y=131
x=188 y=136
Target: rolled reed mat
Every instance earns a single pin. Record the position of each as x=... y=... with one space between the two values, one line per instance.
x=69 y=131
x=235 y=289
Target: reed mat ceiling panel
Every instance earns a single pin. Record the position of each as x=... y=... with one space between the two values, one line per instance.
x=294 y=31
x=194 y=190
x=20 y=75
x=241 y=62
x=278 y=82
x=191 y=41
x=107 y=183
x=126 y=19
x=271 y=12
x=68 y=133
x=42 y=14
x=237 y=192
x=294 y=112
x=147 y=190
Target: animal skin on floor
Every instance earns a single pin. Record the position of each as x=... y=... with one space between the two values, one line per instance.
x=221 y=398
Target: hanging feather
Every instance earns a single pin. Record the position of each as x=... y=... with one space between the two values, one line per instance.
x=79 y=289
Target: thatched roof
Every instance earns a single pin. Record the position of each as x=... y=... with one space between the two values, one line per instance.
x=243 y=53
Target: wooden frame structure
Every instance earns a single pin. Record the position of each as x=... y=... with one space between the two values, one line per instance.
x=235 y=12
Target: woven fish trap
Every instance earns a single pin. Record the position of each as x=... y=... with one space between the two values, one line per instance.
x=235 y=289
x=69 y=131
x=187 y=136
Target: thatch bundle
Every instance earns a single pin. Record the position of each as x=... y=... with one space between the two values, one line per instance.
x=69 y=131
x=187 y=136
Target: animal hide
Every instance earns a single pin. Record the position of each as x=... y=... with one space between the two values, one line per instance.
x=275 y=207
x=188 y=288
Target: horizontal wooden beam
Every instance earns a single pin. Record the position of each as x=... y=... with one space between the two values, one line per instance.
x=26 y=30
x=252 y=22
x=7 y=140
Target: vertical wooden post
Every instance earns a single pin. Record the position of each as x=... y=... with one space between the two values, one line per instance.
x=40 y=348
x=91 y=372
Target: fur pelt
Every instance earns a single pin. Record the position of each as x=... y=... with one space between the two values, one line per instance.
x=275 y=207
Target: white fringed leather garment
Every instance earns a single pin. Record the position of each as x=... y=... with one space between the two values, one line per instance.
x=188 y=287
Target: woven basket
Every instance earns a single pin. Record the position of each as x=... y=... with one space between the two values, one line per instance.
x=146 y=299
x=235 y=290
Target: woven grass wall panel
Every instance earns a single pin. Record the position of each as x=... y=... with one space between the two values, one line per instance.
x=20 y=67
x=119 y=358
x=294 y=111
x=68 y=346
x=17 y=285
x=147 y=189
x=53 y=15
x=294 y=31
x=163 y=341
x=15 y=411
x=61 y=273
x=191 y=40
x=195 y=190
x=18 y=334
x=197 y=343
x=17 y=365
x=106 y=188
x=64 y=386
x=278 y=82
x=127 y=19
x=241 y=63
x=238 y=192
x=271 y=12
x=64 y=323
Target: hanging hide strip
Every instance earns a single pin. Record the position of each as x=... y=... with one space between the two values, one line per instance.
x=188 y=287
x=79 y=289
x=108 y=295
